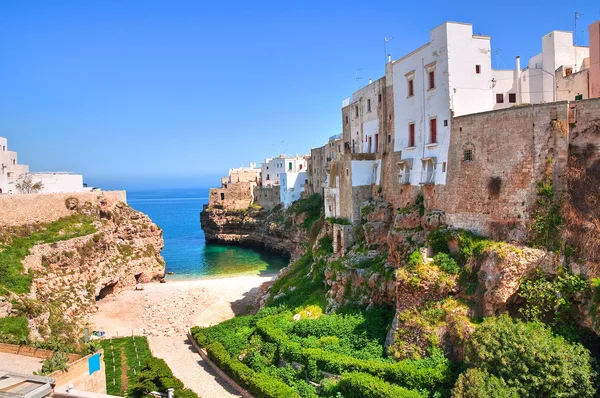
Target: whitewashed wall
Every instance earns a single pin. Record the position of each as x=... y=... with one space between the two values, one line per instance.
x=454 y=52
x=366 y=172
x=292 y=186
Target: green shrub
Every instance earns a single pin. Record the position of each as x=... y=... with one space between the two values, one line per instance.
x=415 y=261
x=56 y=362
x=362 y=385
x=475 y=383
x=325 y=246
x=258 y=384
x=233 y=334
x=157 y=376
x=446 y=263
x=339 y=220
x=14 y=329
x=531 y=359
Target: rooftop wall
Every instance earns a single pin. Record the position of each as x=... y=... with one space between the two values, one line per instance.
x=17 y=209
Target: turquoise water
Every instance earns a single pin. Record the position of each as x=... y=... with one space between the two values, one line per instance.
x=177 y=212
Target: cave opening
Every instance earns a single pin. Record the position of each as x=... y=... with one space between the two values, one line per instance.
x=106 y=290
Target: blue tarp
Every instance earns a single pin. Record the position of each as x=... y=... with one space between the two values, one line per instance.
x=94 y=363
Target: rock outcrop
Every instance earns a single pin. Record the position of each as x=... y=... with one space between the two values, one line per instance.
x=70 y=276
x=274 y=231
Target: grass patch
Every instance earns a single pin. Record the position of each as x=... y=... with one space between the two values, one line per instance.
x=12 y=254
x=14 y=329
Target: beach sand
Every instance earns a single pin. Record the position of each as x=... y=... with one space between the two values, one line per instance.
x=166 y=309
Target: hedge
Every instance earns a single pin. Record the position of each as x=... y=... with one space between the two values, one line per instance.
x=411 y=374
x=157 y=376
x=258 y=384
x=363 y=385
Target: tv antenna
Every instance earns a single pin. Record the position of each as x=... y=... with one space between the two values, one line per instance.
x=385 y=42
x=577 y=15
x=357 y=77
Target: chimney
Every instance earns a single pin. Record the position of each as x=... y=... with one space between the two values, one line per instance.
x=389 y=57
x=518 y=64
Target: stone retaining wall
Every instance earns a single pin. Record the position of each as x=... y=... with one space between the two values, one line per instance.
x=16 y=209
x=32 y=352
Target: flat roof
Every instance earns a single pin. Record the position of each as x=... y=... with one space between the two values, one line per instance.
x=19 y=385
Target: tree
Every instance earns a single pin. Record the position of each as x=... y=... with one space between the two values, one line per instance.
x=528 y=358
x=25 y=184
x=475 y=383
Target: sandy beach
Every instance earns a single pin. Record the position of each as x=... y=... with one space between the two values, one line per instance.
x=165 y=311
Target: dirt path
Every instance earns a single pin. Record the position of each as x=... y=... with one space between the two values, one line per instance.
x=165 y=312
x=189 y=367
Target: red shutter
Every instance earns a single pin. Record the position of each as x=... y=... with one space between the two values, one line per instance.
x=411 y=135
x=433 y=126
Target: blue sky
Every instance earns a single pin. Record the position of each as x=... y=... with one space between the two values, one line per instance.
x=173 y=93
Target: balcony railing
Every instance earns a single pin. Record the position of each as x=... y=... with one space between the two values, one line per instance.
x=427 y=177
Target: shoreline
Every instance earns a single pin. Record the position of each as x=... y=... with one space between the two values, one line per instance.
x=175 y=278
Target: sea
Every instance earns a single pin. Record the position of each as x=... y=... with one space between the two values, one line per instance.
x=186 y=253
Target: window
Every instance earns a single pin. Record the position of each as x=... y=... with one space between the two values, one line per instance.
x=411 y=88
x=512 y=98
x=433 y=131
x=389 y=138
x=411 y=134
x=379 y=98
x=14 y=162
x=468 y=155
x=431 y=79
x=499 y=98
x=346 y=119
x=300 y=167
x=404 y=175
x=369 y=105
x=346 y=172
x=478 y=69
x=289 y=165
x=222 y=196
x=445 y=122
x=356 y=111
x=443 y=167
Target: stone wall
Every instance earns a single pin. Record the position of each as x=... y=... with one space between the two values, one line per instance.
x=235 y=196
x=44 y=208
x=34 y=352
x=267 y=197
x=494 y=164
x=585 y=129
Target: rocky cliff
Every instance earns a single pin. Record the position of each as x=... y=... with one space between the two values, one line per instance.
x=102 y=248
x=275 y=230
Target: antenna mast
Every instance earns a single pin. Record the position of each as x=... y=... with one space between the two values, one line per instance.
x=577 y=15
x=357 y=77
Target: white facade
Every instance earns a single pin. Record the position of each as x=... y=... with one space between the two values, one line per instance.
x=449 y=76
x=366 y=172
x=273 y=168
x=11 y=171
x=292 y=186
x=59 y=182
x=536 y=83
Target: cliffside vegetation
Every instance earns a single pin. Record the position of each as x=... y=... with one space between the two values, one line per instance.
x=413 y=308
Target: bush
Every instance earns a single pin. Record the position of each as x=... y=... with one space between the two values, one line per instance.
x=362 y=385
x=531 y=359
x=57 y=362
x=14 y=329
x=446 y=263
x=475 y=383
x=157 y=376
x=258 y=384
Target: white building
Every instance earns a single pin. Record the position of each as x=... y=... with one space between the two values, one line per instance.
x=11 y=171
x=449 y=76
x=537 y=83
x=292 y=185
x=273 y=168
